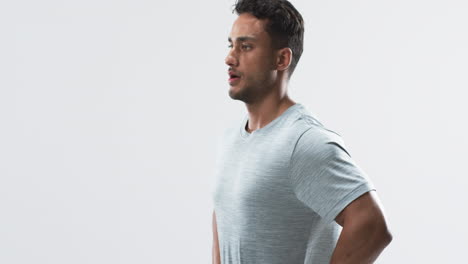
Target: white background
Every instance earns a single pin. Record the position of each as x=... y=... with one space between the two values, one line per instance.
x=110 y=111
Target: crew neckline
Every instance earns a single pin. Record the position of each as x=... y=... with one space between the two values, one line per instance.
x=245 y=134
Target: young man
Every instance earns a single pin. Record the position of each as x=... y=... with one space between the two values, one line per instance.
x=287 y=190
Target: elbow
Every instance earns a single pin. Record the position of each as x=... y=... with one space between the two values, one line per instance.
x=379 y=232
x=382 y=230
x=387 y=237
x=384 y=235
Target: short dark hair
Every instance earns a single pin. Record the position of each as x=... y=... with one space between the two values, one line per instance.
x=285 y=24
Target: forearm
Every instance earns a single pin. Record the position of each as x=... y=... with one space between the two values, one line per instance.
x=216 y=256
x=215 y=250
x=360 y=244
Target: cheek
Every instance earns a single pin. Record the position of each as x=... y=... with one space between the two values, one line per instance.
x=257 y=62
x=265 y=61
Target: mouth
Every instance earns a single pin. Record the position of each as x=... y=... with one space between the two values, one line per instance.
x=233 y=78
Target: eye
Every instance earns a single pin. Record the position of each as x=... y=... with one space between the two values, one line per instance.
x=246 y=47
x=230 y=46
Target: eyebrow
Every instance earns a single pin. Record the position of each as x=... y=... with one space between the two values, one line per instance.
x=243 y=38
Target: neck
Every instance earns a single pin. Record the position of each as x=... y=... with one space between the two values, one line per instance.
x=263 y=112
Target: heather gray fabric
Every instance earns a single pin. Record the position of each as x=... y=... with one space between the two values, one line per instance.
x=279 y=189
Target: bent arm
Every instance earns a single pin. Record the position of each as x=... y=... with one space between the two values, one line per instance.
x=216 y=255
x=365 y=233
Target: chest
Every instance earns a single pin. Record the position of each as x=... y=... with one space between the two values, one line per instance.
x=253 y=175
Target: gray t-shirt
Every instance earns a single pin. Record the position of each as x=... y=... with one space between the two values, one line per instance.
x=279 y=189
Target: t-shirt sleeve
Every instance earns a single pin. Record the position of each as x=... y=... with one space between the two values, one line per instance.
x=323 y=174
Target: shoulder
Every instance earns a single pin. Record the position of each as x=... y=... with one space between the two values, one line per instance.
x=317 y=141
x=307 y=126
x=312 y=131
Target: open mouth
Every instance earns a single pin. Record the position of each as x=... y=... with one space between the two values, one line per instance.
x=233 y=78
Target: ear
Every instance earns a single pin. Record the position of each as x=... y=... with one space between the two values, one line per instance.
x=283 y=59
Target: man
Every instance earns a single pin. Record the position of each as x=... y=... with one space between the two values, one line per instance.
x=287 y=190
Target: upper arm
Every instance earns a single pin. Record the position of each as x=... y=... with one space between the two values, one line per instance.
x=366 y=209
x=324 y=176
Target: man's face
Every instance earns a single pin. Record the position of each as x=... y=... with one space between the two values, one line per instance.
x=250 y=58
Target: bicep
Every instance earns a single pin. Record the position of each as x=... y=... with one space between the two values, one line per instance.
x=364 y=209
x=326 y=178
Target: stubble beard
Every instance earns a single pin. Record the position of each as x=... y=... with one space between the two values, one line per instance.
x=250 y=94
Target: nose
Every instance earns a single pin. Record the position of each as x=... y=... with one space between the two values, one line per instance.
x=231 y=60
